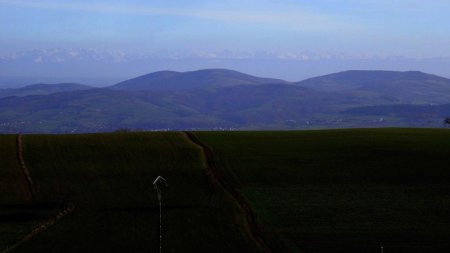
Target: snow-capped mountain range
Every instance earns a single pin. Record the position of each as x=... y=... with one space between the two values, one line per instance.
x=101 y=67
x=59 y=55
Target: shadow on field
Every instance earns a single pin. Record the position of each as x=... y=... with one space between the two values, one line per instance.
x=22 y=216
x=28 y=212
x=33 y=206
x=151 y=209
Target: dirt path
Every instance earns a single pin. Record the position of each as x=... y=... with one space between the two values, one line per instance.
x=42 y=227
x=25 y=171
x=67 y=209
x=217 y=176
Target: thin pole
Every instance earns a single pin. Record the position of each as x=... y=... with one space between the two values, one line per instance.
x=382 y=248
x=159 y=179
x=160 y=223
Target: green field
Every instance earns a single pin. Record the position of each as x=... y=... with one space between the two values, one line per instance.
x=343 y=190
x=16 y=218
x=108 y=178
x=311 y=191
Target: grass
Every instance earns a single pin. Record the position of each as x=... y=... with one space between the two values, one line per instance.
x=12 y=187
x=108 y=177
x=312 y=191
x=16 y=218
x=343 y=190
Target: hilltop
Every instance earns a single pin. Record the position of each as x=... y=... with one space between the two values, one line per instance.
x=200 y=79
x=401 y=87
x=226 y=99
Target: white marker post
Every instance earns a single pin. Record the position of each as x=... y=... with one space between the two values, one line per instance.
x=382 y=249
x=157 y=184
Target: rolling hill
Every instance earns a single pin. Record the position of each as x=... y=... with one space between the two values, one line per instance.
x=225 y=99
x=401 y=87
x=43 y=89
x=201 y=79
x=100 y=110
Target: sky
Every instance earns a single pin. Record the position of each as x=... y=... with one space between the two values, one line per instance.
x=43 y=40
x=409 y=28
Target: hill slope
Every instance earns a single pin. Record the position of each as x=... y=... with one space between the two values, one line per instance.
x=106 y=110
x=224 y=99
x=401 y=87
x=43 y=89
x=415 y=114
x=175 y=81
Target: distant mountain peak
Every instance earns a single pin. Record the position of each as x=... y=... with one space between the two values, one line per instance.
x=368 y=75
x=205 y=78
x=222 y=98
x=405 y=86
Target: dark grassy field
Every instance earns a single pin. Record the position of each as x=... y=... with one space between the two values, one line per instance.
x=108 y=179
x=312 y=191
x=343 y=190
x=11 y=190
x=16 y=219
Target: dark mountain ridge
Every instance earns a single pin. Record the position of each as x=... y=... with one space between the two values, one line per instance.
x=43 y=89
x=224 y=99
x=354 y=79
x=200 y=79
x=403 y=87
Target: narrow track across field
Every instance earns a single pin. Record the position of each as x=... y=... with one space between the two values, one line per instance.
x=67 y=207
x=216 y=176
x=25 y=171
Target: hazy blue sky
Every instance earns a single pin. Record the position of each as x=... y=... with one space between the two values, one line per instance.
x=412 y=28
